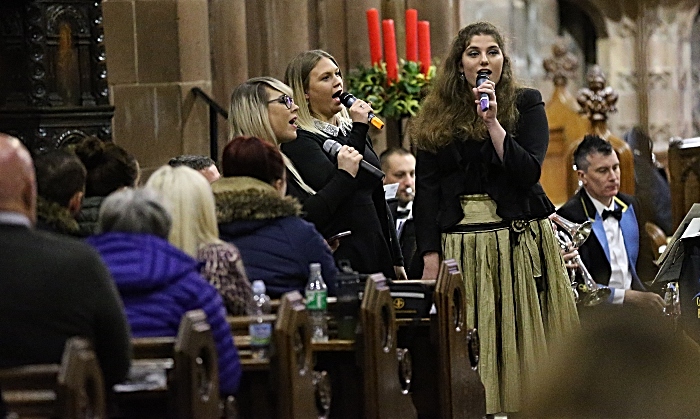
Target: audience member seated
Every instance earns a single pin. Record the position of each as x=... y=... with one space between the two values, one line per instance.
x=612 y=249
x=625 y=365
x=52 y=287
x=158 y=282
x=254 y=214
x=202 y=164
x=60 y=179
x=399 y=165
x=109 y=167
x=196 y=233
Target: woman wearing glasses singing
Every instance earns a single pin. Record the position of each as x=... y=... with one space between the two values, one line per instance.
x=372 y=247
x=263 y=107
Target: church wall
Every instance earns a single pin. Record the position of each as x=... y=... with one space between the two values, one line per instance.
x=159 y=49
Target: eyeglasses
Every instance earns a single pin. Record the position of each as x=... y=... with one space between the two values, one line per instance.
x=285 y=100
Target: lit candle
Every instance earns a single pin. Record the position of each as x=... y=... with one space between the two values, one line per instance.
x=390 y=49
x=375 y=43
x=424 y=46
x=411 y=35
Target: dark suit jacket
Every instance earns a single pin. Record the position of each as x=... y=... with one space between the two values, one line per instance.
x=53 y=288
x=595 y=252
x=407 y=240
x=441 y=177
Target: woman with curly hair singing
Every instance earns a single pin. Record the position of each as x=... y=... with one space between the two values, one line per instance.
x=478 y=200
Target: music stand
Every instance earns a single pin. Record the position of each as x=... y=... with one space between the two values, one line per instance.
x=671 y=259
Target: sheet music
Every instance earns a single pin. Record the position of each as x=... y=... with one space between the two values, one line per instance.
x=693 y=229
x=671 y=259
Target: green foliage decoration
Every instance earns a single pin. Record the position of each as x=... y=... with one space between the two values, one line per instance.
x=399 y=99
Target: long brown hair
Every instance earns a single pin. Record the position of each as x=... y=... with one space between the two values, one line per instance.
x=448 y=111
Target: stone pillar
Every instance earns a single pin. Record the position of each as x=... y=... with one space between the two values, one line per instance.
x=286 y=32
x=229 y=53
x=331 y=30
x=444 y=24
x=669 y=71
x=358 y=44
x=159 y=51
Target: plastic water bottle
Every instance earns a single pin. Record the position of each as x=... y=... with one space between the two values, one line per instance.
x=316 y=294
x=260 y=331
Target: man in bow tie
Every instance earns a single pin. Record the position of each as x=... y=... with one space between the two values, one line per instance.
x=399 y=165
x=611 y=252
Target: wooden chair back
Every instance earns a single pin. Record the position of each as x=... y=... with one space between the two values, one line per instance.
x=684 y=169
x=657 y=239
x=72 y=389
x=292 y=336
x=462 y=394
x=384 y=396
x=192 y=384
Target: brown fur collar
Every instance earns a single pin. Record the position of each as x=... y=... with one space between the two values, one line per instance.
x=245 y=198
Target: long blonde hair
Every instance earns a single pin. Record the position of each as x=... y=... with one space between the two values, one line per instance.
x=297 y=77
x=449 y=112
x=249 y=117
x=191 y=204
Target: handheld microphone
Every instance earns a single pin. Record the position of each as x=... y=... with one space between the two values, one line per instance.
x=481 y=77
x=332 y=147
x=348 y=99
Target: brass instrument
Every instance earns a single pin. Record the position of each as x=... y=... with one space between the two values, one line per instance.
x=587 y=292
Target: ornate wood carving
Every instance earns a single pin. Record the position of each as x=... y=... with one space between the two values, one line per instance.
x=54 y=88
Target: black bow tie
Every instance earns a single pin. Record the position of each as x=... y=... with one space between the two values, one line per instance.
x=402 y=213
x=617 y=213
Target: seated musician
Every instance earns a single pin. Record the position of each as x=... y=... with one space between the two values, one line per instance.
x=158 y=282
x=611 y=251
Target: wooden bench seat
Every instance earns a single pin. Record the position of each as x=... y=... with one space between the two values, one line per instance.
x=74 y=388
x=189 y=365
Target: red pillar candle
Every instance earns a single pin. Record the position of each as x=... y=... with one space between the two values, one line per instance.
x=375 y=43
x=424 y=46
x=390 y=49
x=411 y=35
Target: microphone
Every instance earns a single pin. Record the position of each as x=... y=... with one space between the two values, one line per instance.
x=332 y=147
x=481 y=77
x=348 y=99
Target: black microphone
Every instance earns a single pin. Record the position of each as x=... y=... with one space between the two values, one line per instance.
x=332 y=147
x=348 y=99
x=481 y=77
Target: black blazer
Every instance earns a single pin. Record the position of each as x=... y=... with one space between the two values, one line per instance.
x=372 y=247
x=592 y=252
x=52 y=288
x=441 y=178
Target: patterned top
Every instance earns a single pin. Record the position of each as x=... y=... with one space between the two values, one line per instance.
x=223 y=267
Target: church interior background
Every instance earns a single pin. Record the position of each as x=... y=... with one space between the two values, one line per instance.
x=155 y=52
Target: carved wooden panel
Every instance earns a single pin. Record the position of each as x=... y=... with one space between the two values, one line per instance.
x=53 y=68
x=684 y=168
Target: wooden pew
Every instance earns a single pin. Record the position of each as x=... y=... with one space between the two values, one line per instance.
x=384 y=395
x=286 y=386
x=72 y=389
x=190 y=363
x=462 y=394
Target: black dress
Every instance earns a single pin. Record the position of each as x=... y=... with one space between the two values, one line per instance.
x=372 y=247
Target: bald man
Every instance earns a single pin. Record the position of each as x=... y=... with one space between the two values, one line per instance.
x=51 y=287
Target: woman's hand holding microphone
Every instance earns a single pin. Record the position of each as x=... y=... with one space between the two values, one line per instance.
x=349 y=160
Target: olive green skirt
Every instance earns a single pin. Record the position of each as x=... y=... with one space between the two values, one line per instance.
x=518 y=295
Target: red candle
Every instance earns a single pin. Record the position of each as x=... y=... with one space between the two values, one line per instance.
x=390 y=49
x=375 y=43
x=411 y=35
x=424 y=46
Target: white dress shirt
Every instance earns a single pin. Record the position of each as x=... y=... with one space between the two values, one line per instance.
x=620 y=275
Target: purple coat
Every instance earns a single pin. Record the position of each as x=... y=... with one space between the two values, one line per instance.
x=158 y=284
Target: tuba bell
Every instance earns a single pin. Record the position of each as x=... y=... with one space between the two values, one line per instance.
x=586 y=292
